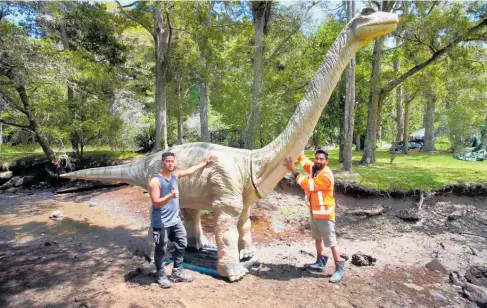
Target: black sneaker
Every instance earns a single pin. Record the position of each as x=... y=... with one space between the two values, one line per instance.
x=179 y=276
x=162 y=280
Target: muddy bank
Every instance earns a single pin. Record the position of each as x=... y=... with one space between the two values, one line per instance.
x=471 y=190
x=92 y=257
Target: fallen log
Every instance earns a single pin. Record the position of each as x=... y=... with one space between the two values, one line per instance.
x=368 y=213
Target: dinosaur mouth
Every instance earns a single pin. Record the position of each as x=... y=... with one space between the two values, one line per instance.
x=374 y=29
x=382 y=24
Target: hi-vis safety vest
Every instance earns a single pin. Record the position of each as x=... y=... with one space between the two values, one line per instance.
x=318 y=189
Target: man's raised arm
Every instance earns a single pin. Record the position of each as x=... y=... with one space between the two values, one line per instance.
x=191 y=170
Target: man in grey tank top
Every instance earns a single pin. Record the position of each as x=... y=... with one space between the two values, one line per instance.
x=166 y=223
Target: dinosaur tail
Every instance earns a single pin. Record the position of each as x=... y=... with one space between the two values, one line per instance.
x=133 y=173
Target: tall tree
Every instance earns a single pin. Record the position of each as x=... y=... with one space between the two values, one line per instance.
x=399 y=103
x=451 y=30
x=429 y=136
x=407 y=114
x=2 y=106
x=483 y=133
x=14 y=52
x=161 y=32
x=261 y=13
x=375 y=94
x=81 y=28
x=348 y=122
x=204 y=20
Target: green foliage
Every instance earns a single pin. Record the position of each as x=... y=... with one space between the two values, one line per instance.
x=443 y=143
x=109 y=63
x=145 y=139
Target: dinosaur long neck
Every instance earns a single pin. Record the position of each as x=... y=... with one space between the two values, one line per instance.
x=267 y=161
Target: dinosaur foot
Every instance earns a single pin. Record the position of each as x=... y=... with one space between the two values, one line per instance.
x=234 y=272
x=247 y=253
x=197 y=242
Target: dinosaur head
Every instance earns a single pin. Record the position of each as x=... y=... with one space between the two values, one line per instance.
x=370 y=24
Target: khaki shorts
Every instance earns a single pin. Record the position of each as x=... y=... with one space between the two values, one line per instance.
x=324 y=229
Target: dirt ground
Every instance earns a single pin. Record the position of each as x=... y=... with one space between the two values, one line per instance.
x=93 y=256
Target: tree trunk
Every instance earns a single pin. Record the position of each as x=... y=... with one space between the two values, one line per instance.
x=429 y=133
x=424 y=113
x=376 y=95
x=178 y=117
x=341 y=152
x=483 y=145
x=203 y=46
x=161 y=46
x=74 y=137
x=2 y=106
x=399 y=107
x=348 y=122
x=260 y=12
x=357 y=142
x=407 y=114
x=370 y=142
x=314 y=140
x=205 y=135
x=34 y=127
x=1 y=133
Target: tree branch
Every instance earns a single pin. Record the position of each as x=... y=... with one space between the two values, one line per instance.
x=434 y=57
x=415 y=40
x=133 y=19
x=432 y=7
x=284 y=41
x=129 y=5
x=430 y=47
x=412 y=97
x=16 y=125
x=10 y=102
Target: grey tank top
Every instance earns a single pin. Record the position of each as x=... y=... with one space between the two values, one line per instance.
x=168 y=214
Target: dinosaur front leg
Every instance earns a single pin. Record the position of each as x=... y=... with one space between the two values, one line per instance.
x=192 y=223
x=226 y=234
x=245 y=247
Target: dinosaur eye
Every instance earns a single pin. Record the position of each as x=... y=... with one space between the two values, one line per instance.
x=367 y=11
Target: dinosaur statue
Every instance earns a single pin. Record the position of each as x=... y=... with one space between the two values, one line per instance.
x=237 y=178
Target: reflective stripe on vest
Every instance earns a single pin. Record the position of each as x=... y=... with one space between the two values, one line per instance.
x=324 y=211
x=320 y=198
x=311 y=184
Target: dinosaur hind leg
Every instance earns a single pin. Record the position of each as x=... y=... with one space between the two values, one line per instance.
x=227 y=215
x=192 y=223
x=245 y=247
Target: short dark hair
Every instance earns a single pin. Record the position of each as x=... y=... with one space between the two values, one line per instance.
x=166 y=154
x=322 y=151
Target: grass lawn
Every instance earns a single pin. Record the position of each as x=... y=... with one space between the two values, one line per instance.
x=409 y=172
x=10 y=155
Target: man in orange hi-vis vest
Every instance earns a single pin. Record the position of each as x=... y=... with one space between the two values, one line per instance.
x=318 y=186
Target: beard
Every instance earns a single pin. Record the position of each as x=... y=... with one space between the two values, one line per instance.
x=317 y=167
